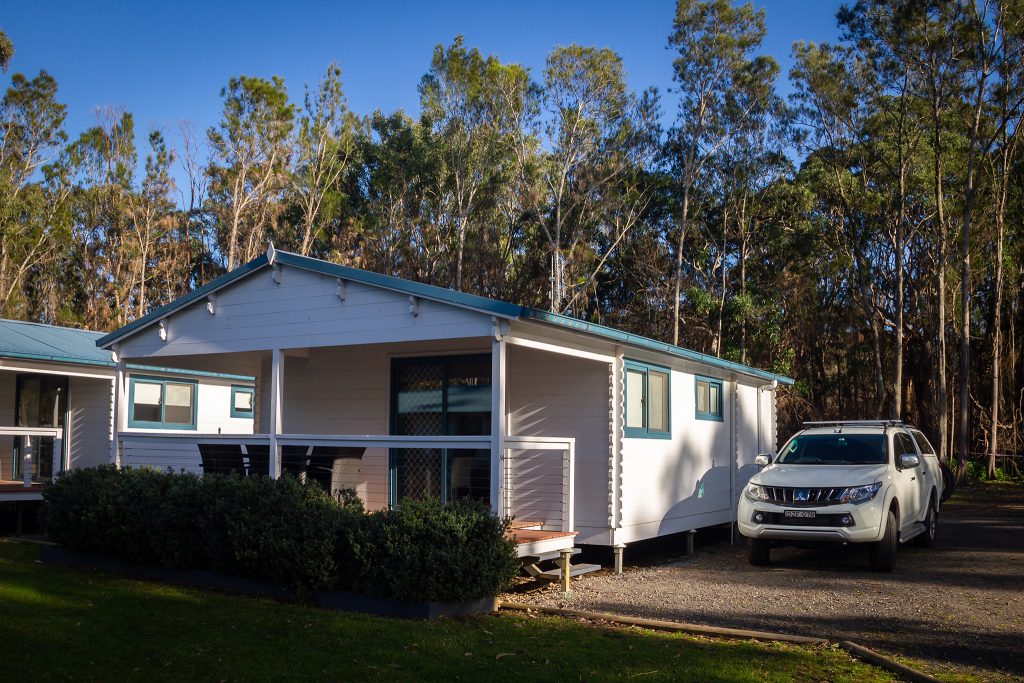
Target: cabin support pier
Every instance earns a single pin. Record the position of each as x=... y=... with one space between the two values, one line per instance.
x=618 y=551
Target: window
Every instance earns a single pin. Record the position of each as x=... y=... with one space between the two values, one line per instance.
x=923 y=444
x=902 y=443
x=647 y=401
x=709 y=399
x=158 y=403
x=242 y=401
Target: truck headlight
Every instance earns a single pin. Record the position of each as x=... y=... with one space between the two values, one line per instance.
x=860 y=494
x=755 y=492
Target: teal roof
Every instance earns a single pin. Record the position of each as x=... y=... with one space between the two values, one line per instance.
x=493 y=307
x=35 y=341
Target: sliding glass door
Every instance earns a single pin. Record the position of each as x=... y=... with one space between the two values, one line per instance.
x=441 y=396
x=41 y=401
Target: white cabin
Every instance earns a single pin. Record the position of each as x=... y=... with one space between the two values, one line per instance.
x=398 y=389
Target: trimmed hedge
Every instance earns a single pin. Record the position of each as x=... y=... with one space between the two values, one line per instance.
x=283 y=531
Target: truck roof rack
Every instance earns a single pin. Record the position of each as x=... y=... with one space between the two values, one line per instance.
x=853 y=423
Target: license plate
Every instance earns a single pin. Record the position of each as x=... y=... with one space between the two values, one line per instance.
x=801 y=514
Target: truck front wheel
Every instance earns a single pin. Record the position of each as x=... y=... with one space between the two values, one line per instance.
x=759 y=552
x=883 y=552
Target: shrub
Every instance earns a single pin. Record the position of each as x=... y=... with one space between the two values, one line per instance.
x=282 y=530
x=429 y=551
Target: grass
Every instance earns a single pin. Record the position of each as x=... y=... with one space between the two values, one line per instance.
x=63 y=624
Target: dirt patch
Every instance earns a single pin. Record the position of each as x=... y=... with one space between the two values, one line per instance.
x=958 y=608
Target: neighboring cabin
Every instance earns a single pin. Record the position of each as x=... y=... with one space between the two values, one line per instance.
x=402 y=390
x=56 y=404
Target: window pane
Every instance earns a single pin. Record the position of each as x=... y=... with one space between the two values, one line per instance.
x=634 y=399
x=715 y=401
x=147 y=402
x=243 y=401
x=923 y=443
x=657 y=401
x=147 y=393
x=179 y=404
x=702 y=397
x=903 y=444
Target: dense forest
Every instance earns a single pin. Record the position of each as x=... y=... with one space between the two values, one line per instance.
x=863 y=235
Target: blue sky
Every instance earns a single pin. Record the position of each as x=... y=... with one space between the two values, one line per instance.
x=167 y=61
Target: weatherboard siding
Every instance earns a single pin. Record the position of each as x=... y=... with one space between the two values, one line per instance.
x=683 y=483
x=302 y=311
x=668 y=483
x=554 y=395
x=89 y=420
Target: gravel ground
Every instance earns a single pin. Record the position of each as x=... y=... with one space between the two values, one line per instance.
x=957 y=608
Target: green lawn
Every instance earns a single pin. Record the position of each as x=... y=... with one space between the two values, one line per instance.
x=62 y=624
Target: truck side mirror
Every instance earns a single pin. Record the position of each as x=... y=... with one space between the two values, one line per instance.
x=909 y=460
x=763 y=459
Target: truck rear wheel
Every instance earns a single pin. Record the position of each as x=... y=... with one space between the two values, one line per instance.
x=758 y=552
x=927 y=538
x=883 y=552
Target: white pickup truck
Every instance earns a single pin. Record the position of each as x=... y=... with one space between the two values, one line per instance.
x=872 y=482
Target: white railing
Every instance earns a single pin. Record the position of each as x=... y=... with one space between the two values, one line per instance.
x=28 y=449
x=534 y=482
x=537 y=485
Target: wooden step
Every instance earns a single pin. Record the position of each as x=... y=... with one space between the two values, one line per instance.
x=541 y=557
x=574 y=570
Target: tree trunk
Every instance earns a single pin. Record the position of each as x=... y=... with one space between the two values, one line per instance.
x=679 y=265
x=997 y=339
x=897 y=380
x=743 y=293
x=943 y=391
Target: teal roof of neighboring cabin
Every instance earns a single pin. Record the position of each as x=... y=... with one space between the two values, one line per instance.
x=494 y=307
x=36 y=341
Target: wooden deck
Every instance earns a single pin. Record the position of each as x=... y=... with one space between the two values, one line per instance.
x=15 y=490
x=532 y=540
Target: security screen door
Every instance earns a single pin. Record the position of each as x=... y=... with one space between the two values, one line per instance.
x=440 y=396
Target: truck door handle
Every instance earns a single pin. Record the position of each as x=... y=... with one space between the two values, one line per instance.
x=913 y=478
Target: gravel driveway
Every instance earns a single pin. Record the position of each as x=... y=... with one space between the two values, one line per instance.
x=957 y=608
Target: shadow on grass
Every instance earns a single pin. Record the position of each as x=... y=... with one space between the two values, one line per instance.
x=100 y=627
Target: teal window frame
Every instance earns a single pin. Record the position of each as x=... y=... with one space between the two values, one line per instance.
x=238 y=389
x=163 y=382
x=645 y=432
x=711 y=416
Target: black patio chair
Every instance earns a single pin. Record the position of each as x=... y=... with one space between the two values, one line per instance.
x=222 y=458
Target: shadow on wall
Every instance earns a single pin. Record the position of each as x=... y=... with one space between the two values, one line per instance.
x=708 y=491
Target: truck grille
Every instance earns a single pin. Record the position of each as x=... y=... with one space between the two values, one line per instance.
x=794 y=495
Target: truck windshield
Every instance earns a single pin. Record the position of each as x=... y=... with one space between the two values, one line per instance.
x=834 y=449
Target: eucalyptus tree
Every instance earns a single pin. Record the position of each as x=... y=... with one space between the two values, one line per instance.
x=31 y=136
x=462 y=107
x=594 y=135
x=6 y=51
x=100 y=168
x=719 y=83
x=251 y=151
x=152 y=213
x=397 y=181
x=1006 y=103
x=835 y=102
x=324 y=145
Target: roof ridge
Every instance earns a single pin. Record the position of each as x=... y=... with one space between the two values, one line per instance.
x=52 y=327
